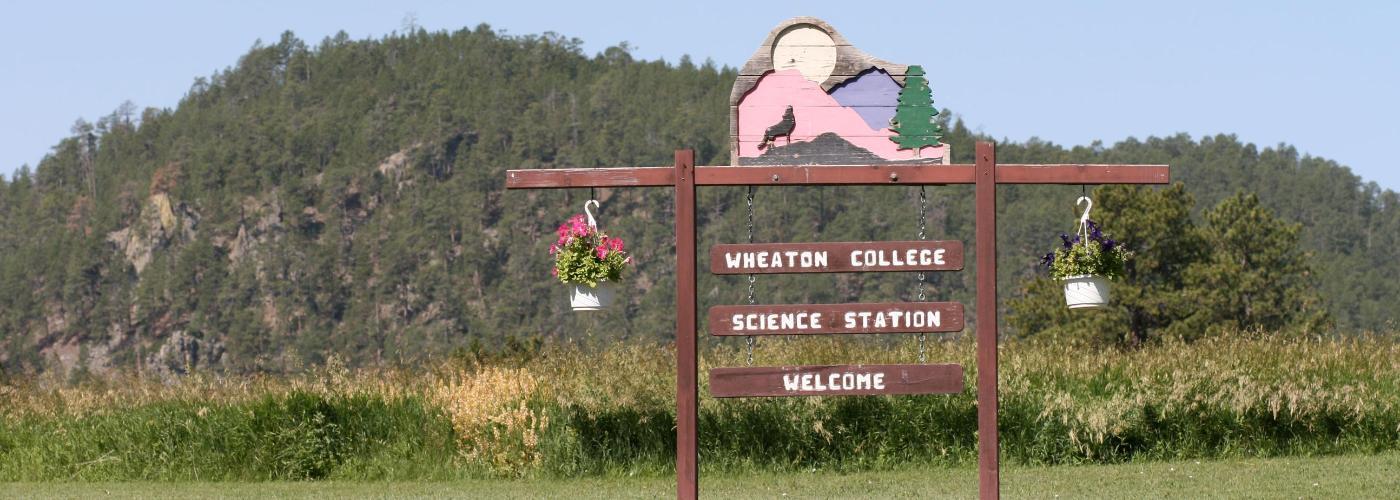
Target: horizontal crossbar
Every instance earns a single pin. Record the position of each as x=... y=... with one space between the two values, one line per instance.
x=833 y=175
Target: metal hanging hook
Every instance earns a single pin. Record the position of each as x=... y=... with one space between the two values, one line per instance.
x=592 y=221
x=1083 y=229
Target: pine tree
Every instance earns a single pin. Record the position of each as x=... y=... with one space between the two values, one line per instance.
x=913 y=122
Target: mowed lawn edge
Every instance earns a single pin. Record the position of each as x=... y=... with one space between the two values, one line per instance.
x=1349 y=476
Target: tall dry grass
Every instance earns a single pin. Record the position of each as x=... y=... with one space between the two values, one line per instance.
x=570 y=410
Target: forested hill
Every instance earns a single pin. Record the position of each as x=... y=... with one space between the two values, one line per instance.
x=347 y=198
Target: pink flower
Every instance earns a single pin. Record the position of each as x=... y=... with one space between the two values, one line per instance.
x=554 y=272
x=615 y=244
x=577 y=226
x=602 y=252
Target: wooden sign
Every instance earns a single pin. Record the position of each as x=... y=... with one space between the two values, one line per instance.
x=808 y=97
x=819 y=319
x=845 y=257
x=809 y=109
x=835 y=380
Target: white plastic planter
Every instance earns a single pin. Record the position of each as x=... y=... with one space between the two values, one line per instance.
x=587 y=298
x=1086 y=291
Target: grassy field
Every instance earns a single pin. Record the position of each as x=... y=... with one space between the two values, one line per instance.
x=568 y=412
x=1353 y=476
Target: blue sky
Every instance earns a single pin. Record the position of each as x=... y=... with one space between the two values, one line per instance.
x=1321 y=76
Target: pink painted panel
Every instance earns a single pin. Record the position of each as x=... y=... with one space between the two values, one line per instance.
x=815 y=113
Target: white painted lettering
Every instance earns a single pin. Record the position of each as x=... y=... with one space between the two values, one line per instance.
x=789 y=382
x=878 y=381
x=731 y=260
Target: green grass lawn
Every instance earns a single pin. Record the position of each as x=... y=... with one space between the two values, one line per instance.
x=1354 y=476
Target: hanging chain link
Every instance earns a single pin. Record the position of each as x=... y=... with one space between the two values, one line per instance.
x=922 y=276
x=749 y=340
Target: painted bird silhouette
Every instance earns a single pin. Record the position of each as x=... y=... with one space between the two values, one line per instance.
x=783 y=128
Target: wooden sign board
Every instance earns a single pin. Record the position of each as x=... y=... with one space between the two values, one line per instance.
x=819 y=319
x=835 y=380
x=843 y=257
x=809 y=109
x=808 y=97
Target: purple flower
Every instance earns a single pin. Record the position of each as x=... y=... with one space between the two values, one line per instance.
x=1108 y=245
x=1048 y=259
x=1065 y=238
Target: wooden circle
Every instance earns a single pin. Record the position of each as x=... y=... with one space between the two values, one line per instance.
x=806 y=48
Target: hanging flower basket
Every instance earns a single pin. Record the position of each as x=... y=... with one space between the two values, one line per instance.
x=588 y=259
x=1086 y=263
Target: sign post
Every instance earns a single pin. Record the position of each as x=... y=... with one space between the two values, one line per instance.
x=810 y=109
x=988 y=441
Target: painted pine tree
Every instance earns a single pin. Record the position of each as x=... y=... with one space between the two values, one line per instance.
x=913 y=119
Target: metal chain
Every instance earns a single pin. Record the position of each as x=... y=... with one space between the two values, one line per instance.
x=923 y=234
x=749 y=340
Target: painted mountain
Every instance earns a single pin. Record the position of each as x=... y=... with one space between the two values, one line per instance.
x=856 y=131
x=846 y=106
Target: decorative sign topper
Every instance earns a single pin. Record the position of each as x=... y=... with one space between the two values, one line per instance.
x=807 y=97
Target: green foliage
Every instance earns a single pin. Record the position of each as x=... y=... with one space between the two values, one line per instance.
x=913 y=121
x=346 y=197
x=586 y=256
x=296 y=436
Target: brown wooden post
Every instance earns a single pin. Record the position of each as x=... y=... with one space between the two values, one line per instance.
x=687 y=474
x=988 y=450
